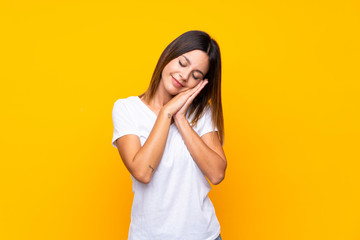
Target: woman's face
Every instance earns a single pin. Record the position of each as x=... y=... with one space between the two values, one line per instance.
x=185 y=71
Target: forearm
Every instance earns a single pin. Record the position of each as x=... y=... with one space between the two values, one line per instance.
x=148 y=157
x=209 y=162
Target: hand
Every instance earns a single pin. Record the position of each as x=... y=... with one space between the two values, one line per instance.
x=184 y=99
x=182 y=111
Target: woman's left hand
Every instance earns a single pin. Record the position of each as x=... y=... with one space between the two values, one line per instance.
x=182 y=111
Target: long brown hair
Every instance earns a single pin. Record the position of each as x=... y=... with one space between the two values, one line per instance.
x=210 y=95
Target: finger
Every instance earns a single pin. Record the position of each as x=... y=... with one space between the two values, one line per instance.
x=191 y=98
x=200 y=86
x=188 y=93
x=194 y=89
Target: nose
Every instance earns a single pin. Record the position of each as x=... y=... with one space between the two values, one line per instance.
x=185 y=75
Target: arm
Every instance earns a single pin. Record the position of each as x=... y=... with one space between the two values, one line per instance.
x=206 y=151
x=142 y=161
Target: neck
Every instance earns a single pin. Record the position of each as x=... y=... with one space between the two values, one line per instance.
x=161 y=97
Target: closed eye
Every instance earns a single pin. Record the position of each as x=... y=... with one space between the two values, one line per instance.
x=181 y=64
x=184 y=66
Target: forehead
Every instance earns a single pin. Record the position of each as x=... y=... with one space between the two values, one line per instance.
x=197 y=56
x=198 y=59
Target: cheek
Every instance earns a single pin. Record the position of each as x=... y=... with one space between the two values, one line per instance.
x=194 y=84
x=170 y=66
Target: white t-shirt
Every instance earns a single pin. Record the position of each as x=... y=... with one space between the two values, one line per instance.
x=175 y=204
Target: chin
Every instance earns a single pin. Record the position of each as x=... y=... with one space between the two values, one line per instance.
x=172 y=91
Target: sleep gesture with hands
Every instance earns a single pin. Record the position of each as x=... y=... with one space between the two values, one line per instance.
x=179 y=104
x=206 y=150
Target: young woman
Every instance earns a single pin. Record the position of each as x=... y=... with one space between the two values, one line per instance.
x=170 y=139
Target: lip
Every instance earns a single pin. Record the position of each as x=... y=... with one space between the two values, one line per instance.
x=176 y=82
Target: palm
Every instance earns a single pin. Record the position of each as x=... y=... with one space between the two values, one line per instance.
x=182 y=111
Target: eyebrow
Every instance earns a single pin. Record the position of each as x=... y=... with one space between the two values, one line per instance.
x=190 y=64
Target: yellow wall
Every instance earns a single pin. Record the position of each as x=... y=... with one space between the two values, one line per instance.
x=290 y=98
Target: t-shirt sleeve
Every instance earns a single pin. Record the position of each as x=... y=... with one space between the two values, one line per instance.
x=205 y=123
x=122 y=122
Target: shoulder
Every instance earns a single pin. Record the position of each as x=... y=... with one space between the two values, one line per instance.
x=125 y=106
x=126 y=100
x=205 y=122
x=206 y=113
x=125 y=110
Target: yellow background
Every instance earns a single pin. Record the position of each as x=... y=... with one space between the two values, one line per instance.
x=290 y=97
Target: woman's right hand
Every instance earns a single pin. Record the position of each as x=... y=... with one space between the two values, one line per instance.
x=176 y=103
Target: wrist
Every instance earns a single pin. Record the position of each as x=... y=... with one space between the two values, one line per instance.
x=180 y=119
x=165 y=111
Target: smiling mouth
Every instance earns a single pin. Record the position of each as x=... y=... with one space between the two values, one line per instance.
x=177 y=81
